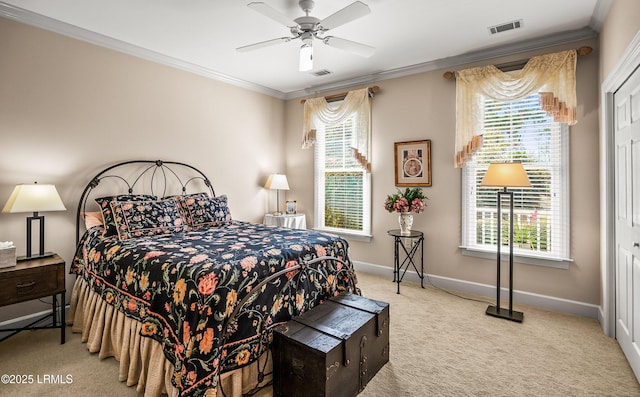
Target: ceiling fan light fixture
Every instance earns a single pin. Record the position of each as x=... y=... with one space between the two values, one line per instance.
x=306 y=58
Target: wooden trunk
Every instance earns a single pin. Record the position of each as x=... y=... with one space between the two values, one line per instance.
x=332 y=350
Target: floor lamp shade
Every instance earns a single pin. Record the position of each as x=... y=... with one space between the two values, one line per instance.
x=34 y=198
x=505 y=175
x=277 y=182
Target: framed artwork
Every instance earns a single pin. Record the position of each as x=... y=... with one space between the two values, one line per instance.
x=413 y=163
x=291 y=207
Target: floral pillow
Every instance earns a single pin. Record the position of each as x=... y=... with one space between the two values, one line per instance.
x=204 y=211
x=147 y=218
x=107 y=212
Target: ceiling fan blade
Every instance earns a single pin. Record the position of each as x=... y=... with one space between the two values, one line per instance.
x=348 y=45
x=263 y=44
x=272 y=13
x=353 y=11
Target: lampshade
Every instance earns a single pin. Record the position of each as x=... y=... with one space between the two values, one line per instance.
x=277 y=181
x=34 y=198
x=506 y=175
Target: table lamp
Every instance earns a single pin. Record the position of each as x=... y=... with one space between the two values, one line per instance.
x=505 y=175
x=34 y=198
x=277 y=182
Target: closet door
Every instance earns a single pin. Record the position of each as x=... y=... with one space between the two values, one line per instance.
x=627 y=221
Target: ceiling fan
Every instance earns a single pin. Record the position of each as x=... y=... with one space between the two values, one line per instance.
x=307 y=28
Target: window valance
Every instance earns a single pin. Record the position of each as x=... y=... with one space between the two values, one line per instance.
x=552 y=75
x=319 y=110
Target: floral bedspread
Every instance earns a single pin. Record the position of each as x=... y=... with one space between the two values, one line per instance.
x=183 y=287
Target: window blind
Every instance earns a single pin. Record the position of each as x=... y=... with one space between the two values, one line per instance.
x=520 y=131
x=342 y=185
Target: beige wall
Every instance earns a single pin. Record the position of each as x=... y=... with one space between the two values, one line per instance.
x=423 y=107
x=68 y=109
x=620 y=26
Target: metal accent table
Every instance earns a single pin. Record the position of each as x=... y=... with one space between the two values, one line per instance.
x=416 y=240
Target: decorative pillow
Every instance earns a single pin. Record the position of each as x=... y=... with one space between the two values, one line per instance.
x=182 y=196
x=186 y=200
x=93 y=219
x=147 y=218
x=205 y=211
x=107 y=214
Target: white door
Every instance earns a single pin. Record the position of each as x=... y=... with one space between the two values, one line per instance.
x=627 y=215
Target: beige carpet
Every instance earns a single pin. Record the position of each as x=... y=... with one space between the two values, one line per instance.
x=441 y=345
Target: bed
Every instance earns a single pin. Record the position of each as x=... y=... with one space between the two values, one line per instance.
x=183 y=295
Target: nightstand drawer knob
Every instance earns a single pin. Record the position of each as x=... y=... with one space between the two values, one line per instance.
x=25 y=288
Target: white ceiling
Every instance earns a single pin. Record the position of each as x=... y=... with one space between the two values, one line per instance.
x=409 y=35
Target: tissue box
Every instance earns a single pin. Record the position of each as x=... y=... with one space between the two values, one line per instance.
x=7 y=257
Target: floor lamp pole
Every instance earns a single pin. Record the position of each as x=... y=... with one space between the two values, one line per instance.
x=496 y=311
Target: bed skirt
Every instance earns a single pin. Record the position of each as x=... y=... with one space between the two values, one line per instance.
x=110 y=333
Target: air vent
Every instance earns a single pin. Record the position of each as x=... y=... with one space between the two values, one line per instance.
x=506 y=26
x=322 y=72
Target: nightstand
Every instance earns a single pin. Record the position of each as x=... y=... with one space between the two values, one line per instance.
x=292 y=221
x=33 y=279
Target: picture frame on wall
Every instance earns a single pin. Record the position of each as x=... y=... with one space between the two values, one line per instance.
x=413 y=163
x=291 y=207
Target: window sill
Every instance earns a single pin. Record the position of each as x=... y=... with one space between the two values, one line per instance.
x=558 y=263
x=346 y=235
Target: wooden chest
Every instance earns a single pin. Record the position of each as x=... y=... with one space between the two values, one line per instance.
x=332 y=350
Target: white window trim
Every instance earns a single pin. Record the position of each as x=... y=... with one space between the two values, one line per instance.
x=365 y=235
x=561 y=262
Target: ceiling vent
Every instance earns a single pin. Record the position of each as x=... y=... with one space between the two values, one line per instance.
x=506 y=26
x=322 y=72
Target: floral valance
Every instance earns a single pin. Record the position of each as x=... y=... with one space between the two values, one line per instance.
x=319 y=110
x=552 y=75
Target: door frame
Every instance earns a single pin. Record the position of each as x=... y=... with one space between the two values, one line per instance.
x=628 y=63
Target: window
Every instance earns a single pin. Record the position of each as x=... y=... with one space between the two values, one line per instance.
x=342 y=186
x=520 y=131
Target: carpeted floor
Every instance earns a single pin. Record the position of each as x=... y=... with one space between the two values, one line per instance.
x=441 y=345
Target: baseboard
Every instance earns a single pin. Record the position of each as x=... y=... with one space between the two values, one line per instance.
x=23 y=321
x=489 y=291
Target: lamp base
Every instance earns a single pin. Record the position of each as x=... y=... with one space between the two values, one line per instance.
x=35 y=256
x=504 y=313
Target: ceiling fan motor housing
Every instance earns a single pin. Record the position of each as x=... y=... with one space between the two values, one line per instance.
x=305 y=24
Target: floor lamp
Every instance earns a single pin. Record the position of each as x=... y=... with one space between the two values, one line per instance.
x=505 y=175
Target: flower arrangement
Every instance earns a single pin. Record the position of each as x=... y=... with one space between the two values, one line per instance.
x=409 y=200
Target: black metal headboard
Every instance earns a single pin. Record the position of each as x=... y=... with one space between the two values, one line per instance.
x=165 y=176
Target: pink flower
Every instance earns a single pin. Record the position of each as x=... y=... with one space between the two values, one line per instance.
x=248 y=263
x=198 y=258
x=411 y=199
x=401 y=205
x=153 y=254
x=417 y=205
x=208 y=284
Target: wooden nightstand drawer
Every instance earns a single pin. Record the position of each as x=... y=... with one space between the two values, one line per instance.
x=31 y=280
x=34 y=279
